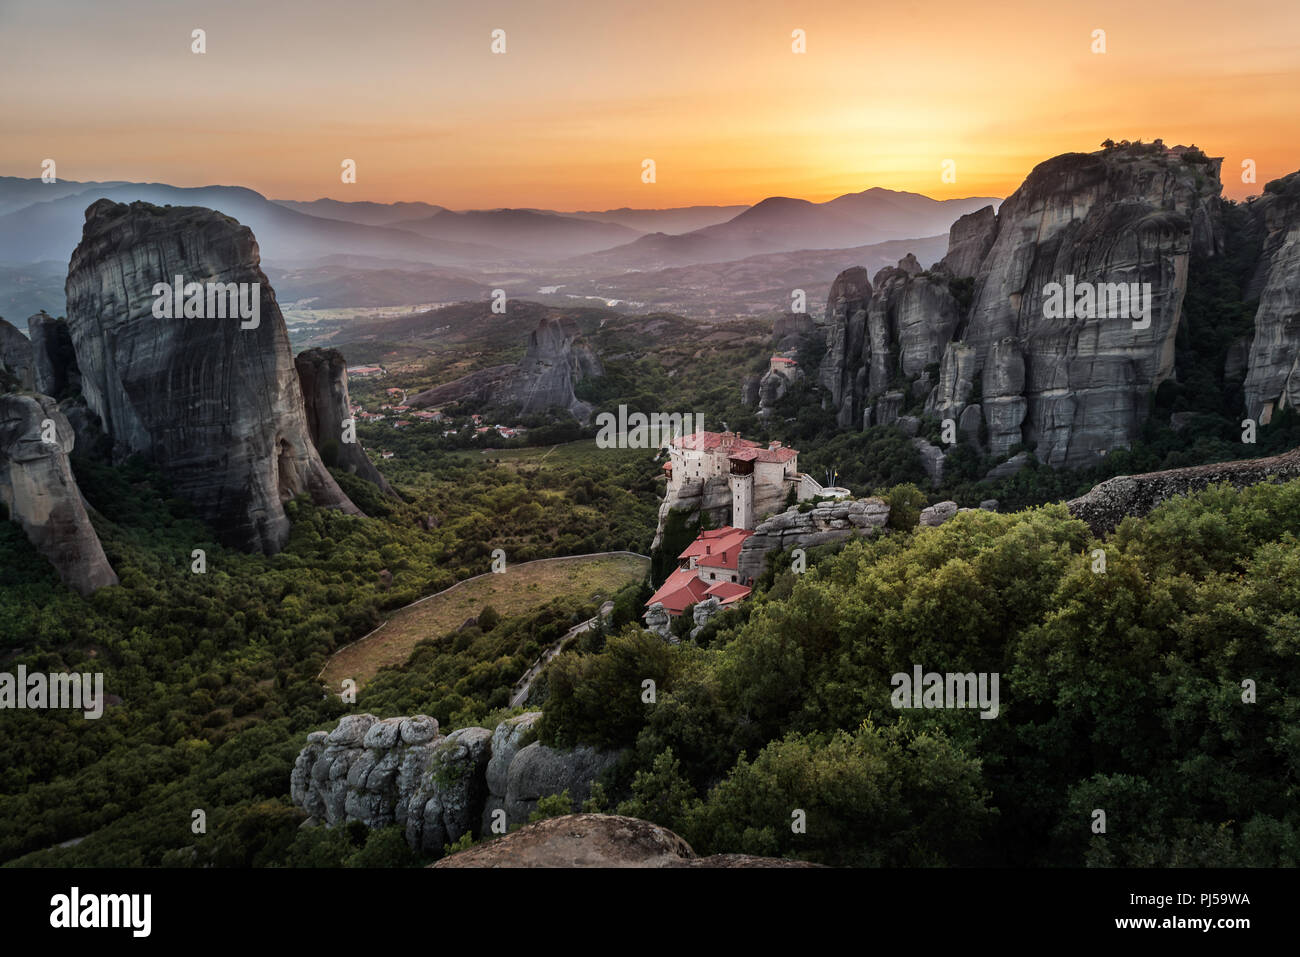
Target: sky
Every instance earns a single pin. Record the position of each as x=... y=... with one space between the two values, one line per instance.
x=887 y=95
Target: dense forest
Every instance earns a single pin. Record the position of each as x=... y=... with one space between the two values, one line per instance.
x=1121 y=691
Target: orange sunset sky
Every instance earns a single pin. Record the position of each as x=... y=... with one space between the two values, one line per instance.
x=587 y=89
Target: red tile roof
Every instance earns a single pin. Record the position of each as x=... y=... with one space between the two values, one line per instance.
x=704 y=441
x=783 y=359
x=680 y=590
x=717 y=547
x=763 y=455
x=727 y=593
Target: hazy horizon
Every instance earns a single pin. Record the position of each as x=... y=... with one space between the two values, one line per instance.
x=584 y=93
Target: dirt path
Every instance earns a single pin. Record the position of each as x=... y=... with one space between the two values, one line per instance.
x=520 y=693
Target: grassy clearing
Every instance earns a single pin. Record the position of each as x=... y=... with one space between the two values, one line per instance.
x=518 y=589
x=582 y=452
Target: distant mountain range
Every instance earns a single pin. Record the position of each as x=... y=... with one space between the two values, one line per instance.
x=52 y=229
x=355 y=254
x=781 y=224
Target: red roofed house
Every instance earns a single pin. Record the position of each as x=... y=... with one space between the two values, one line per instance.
x=711 y=570
x=679 y=591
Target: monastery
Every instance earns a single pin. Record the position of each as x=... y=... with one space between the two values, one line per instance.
x=708 y=471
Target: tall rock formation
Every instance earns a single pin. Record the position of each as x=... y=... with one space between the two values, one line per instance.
x=1075 y=385
x=323 y=375
x=556 y=360
x=845 y=320
x=1273 y=365
x=15 y=357
x=214 y=402
x=53 y=358
x=969 y=240
x=40 y=493
x=1116 y=216
x=884 y=334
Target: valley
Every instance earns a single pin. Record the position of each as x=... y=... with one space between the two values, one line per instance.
x=391 y=454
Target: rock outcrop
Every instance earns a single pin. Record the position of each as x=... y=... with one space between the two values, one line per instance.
x=214 y=402
x=323 y=376
x=825 y=522
x=1076 y=385
x=506 y=742
x=658 y=620
x=448 y=803
x=1106 y=505
x=969 y=240
x=557 y=359
x=16 y=357
x=702 y=612
x=40 y=493
x=845 y=321
x=932 y=460
x=599 y=840
x=937 y=514
x=1079 y=386
x=792 y=329
x=776 y=382
x=1273 y=365
x=439 y=788
x=695 y=498
x=536 y=771
x=54 y=360
x=884 y=333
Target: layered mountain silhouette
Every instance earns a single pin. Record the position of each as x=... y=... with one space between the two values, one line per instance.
x=781 y=224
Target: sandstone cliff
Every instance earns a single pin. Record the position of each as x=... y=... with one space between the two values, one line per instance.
x=323 y=376
x=556 y=360
x=40 y=493
x=15 y=357
x=1106 y=505
x=54 y=360
x=216 y=406
x=1075 y=386
x=1273 y=376
x=696 y=498
x=402 y=771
